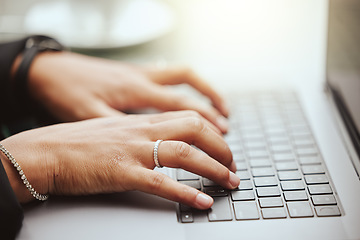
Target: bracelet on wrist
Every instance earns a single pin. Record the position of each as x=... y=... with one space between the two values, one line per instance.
x=38 y=196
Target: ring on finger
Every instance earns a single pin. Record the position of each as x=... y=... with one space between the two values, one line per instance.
x=156 y=148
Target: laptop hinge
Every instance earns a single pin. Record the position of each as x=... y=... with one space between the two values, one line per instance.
x=346 y=126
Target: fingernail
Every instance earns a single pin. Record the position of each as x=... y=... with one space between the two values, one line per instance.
x=222 y=123
x=234 y=180
x=225 y=109
x=203 y=200
x=233 y=167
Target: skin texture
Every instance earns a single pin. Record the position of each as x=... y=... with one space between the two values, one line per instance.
x=76 y=87
x=115 y=154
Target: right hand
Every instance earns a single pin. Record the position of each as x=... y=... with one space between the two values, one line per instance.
x=115 y=154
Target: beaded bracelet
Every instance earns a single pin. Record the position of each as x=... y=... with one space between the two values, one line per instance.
x=38 y=196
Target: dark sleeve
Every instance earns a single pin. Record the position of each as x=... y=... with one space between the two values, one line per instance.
x=8 y=53
x=11 y=213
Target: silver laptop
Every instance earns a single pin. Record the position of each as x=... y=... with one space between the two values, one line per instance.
x=297 y=155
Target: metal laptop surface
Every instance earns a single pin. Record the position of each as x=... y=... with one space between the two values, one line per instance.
x=292 y=58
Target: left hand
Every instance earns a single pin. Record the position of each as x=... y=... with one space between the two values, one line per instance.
x=77 y=87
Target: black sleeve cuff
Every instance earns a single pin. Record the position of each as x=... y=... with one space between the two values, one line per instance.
x=11 y=212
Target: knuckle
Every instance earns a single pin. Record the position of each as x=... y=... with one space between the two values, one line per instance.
x=177 y=101
x=157 y=181
x=192 y=113
x=195 y=124
x=182 y=150
x=187 y=72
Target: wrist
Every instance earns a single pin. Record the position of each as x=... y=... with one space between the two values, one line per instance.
x=20 y=69
x=30 y=165
x=21 y=193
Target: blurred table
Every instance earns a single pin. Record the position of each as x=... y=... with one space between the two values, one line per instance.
x=241 y=43
x=233 y=42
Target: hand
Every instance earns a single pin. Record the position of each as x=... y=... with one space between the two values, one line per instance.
x=115 y=154
x=77 y=87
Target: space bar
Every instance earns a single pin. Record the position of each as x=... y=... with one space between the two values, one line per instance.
x=220 y=210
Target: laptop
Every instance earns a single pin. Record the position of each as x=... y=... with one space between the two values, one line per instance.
x=297 y=154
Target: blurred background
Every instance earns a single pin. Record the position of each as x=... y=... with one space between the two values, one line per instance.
x=248 y=43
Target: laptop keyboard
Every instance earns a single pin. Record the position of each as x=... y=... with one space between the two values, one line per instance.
x=281 y=169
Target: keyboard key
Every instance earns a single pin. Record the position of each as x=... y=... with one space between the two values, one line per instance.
x=275 y=131
x=301 y=134
x=286 y=166
x=309 y=160
x=245 y=185
x=299 y=209
x=316 y=179
x=255 y=145
x=238 y=157
x=186 y=217
x=252 y=136
x=289 y=175
x=260 y=163
x=312 y=169
x=243 y=175
x=323 y=200
x=246 y=210
x=295 y=196
x=185 y=208
x=242 y=195
x=327 y=211
x=270 y=202
x=306 y=151
x=268 y=192
x=263 y=172
x=215 y=191
x=220 y=210
x=272 y=213
x=292 y=185
x=319 y=189
x=296 y=129
x=281 y=148
x=304 y=142
x=194 y=184
x=265 y=182
x=241 y=166
x=208 y=183
x=235 y=148
x=185 y=175
x=276 y=139
x=253 y=154
x=279 y=157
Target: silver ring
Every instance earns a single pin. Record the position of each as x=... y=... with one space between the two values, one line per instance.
x=156 y=147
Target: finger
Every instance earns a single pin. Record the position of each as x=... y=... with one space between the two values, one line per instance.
x=167 y=100
x=157 y=118
x=153 y=182
x=177 y=75
x=176 y=154
x=99 y=109
x=195 y=132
